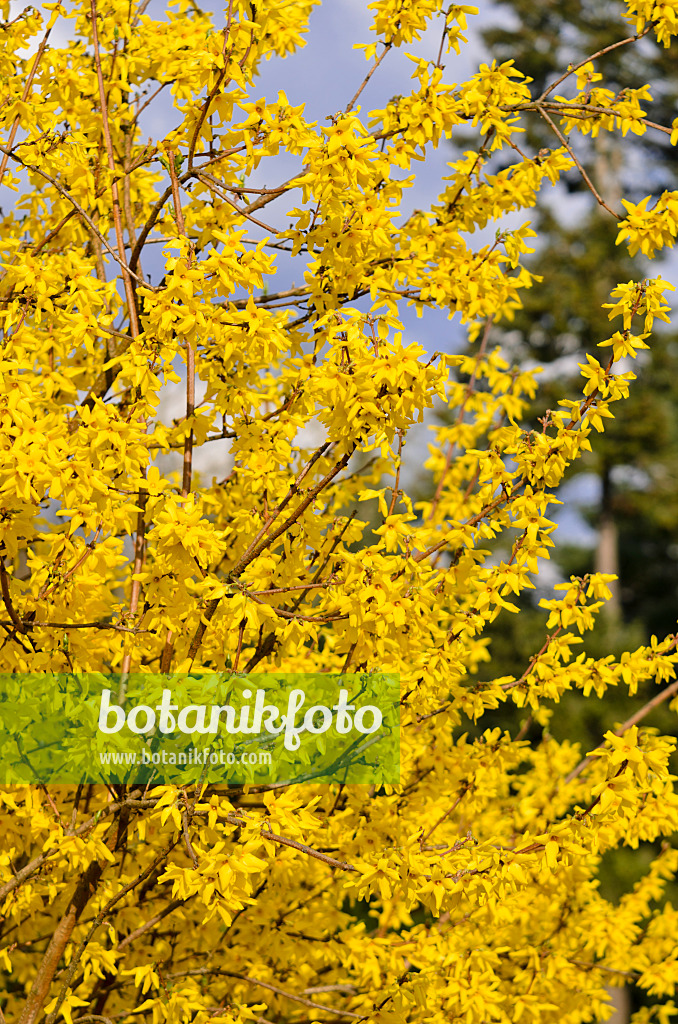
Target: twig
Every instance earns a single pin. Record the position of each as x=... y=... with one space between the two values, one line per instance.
x=255 y=549
x=342 y=865
x=34 y=865
x=77 y=956
x=387 y=47
x=578 y=164
x=665 y=694
x=60 y=938
x=215 y=186
x=185 y=827
x=204 y=110
x=7 y=599
x=47 y=590
x=147 y=925
x=97 y=624
x=464 y=790
x=24 y=96
x=594 y=56
x=292 y=996
x=76 y=205
x=460 y=417
x=213 y=604
x=117 y=218
x=395 y=489
x=139 y=552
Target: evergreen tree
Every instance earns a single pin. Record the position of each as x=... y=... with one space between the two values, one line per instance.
x=637 y=512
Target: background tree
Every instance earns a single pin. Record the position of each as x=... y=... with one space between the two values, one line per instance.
x=635 y=460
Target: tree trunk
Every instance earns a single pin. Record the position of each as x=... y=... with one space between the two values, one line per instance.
x=607 y=551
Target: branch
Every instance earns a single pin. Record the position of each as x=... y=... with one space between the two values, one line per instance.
x=117 y=218
x=97 y=921
x=215 y=88
x=24 y=97
x=50 y=961
x=387 y=47
x=460 y=417
x=660 y=698
x=139 y=553
x=6 y=597
x=215 y=186
x=342 y=865
x=594 y=56
x=187 y=475
x=47 y=590
x=147 y=925
x=260 y=542
x=77 y=207
x=579 y=166
x=206 y=971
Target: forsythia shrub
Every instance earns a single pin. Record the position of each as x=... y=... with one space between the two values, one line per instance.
x=470 y=890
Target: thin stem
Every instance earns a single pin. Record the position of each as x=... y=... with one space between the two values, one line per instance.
x=395 y=490
x=660 y=698
x=17 y=622
x=117 y=218
x=47 y=589
x=579 y=166
x=460 y=417
x=204 y=110
x=24 y=96
x=387 y=47
x=76 y=206
x=594 y=56
x=139 y=553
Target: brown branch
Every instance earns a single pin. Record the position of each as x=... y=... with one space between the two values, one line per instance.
x=126 y=194
x=190 y=354
x=24 y=97
x=387 y=47
x=594 y=56
x=292 y=996
x=395 y=489
x=37 y=248
x=204 y=110
x=62 y=933
x=342 y=865
x=117 y=218
x=460 y=417
x=638 y=716
x=187 y=475
x=255 y=549
x=77 y=207
x=97 y=624
x=148 y=227
x=17 y=622
x=592 y=188
x=89 y=548
x=295 y=615
x=34 y=865
x=215 y=186
x=95 y=925
x=464 y=790
x=98 y=1017
x=186 y=824
x=139 y=553
x=147 y=925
